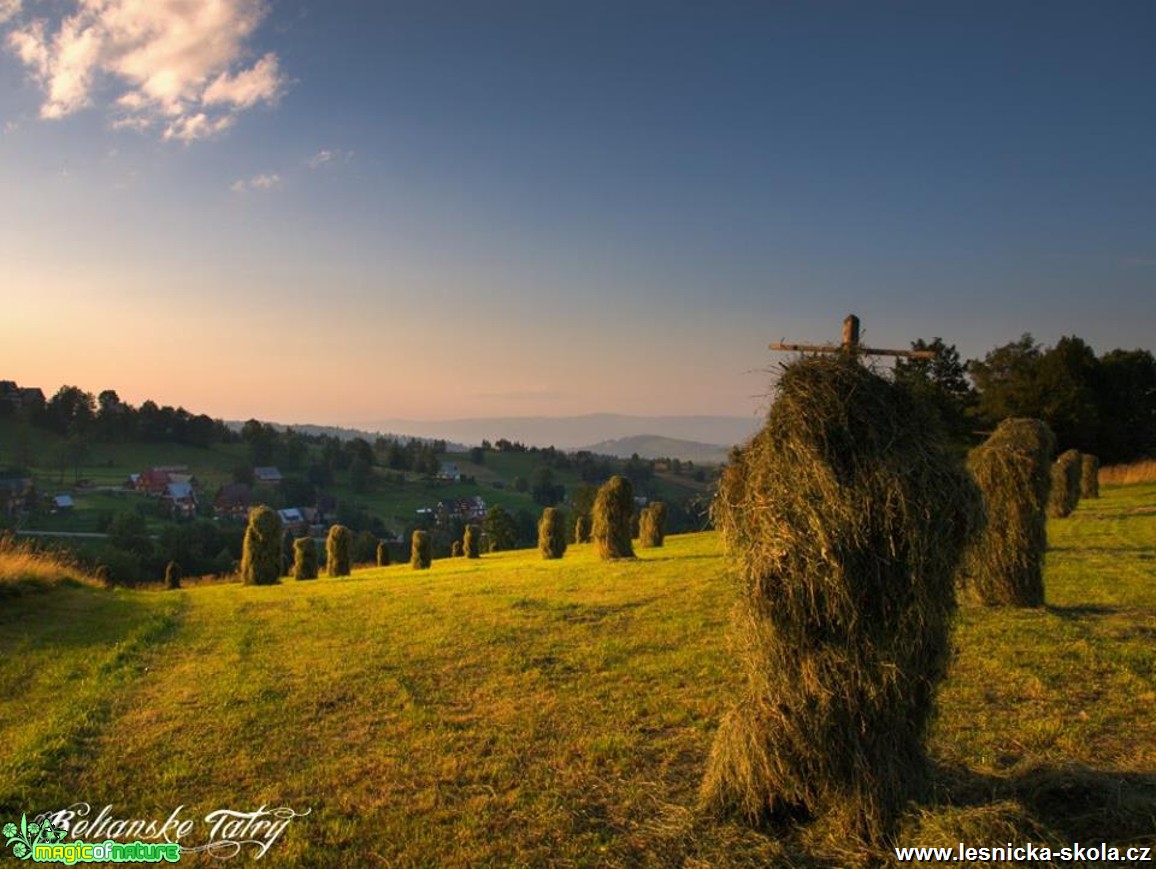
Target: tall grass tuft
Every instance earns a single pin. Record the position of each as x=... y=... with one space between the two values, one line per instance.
x=1004 y=566
x=1143 y=471
x=261 y=554
x=611 y=519
x=24 y=569
x=1065 y=493
x=846 y=517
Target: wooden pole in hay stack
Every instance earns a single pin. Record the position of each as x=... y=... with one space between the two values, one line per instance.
x=846 y=516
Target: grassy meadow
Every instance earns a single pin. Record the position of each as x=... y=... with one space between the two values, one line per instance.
x=512 y=711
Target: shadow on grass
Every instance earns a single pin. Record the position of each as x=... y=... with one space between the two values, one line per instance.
x=1076 y=803
x=1080 y=611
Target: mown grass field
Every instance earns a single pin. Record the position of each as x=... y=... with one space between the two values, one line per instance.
x=516 y=712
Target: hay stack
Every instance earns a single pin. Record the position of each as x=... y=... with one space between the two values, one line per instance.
x=652 y=525
x=472 y=542
x=304 y=558
x=261 y=552
x=582 y=529
x=337 y=551
x=383 y=558
x=1089 y=476
x=552 y=533
x=421 y=551
x=846 y=517
x=1004 y=566
x=1065 y=494
x=456 y=549
x=611 y=520
x=172 y=575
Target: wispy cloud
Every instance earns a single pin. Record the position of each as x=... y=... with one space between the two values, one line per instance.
x=176 y=66
x=257 y=182
x=327 y=156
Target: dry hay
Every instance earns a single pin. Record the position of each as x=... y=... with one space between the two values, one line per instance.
x=338 y=544
x=846 y=517
x=611 y=519
x=421 y=551
x=1004 y=565
x=552 y=533
x=304 y=558
x=1089 y=476
x=1065 y=494
x=261 y=550
x=383 y=556
x=652 y=525
x=471 y=542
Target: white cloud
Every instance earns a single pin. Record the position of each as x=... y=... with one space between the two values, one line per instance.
x=178 y=66
x=327 y=156
x=320 y=158
x=257 y=182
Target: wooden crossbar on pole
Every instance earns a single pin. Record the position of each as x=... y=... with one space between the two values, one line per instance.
x=851 y=345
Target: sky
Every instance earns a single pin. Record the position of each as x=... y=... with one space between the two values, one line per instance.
x=336 y=212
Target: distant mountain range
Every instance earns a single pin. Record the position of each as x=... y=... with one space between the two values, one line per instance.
x=689 y=438
x=658 y=447
x=578 y=432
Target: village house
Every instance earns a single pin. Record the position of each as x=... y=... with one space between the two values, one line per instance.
x=181 y=500
x=267 y=476
x=232 y=501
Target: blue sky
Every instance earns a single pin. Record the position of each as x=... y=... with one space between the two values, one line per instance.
x=339 y=212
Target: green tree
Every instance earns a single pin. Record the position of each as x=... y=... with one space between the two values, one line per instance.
x=499 y=529
x=337 y=551
x=261 y=554
x=942 y=381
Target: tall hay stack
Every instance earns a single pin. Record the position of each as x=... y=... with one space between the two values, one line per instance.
x=421 y=551
x=261 y=552
x=338 y=544
x=1089 y=476
x=846 y=517
x=582 y=529
x=611 y=518
x=472 y=542
x=1065 y=494
x=1013 y=467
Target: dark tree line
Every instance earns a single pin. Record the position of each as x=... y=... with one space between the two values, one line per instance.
x=1104 y=405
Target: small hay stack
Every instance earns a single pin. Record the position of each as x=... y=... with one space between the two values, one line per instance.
x=1065 y=494
x=1089 y=476
x=304 y=558
x=172 y=575
x=472 y=542
x=552 y=533
x=383 y=558
x=652 y=525
x=846 y=517
x=1004 y=566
